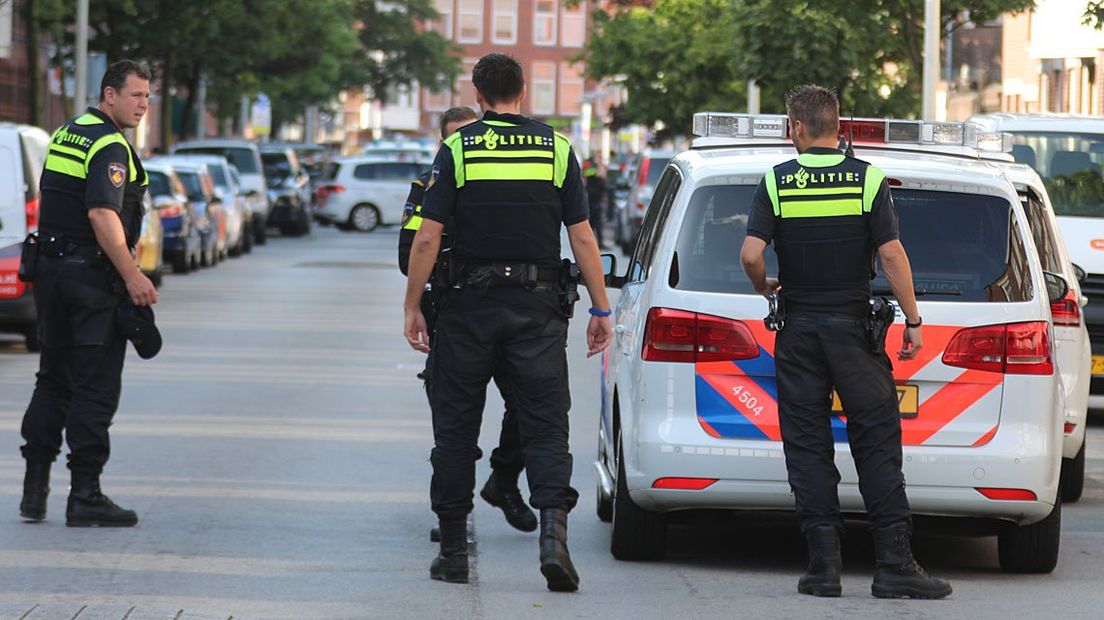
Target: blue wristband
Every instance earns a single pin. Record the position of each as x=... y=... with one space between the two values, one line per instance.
x=596 y=312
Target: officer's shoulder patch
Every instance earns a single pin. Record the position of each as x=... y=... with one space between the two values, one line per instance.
x=116 y=172
x=436 y=172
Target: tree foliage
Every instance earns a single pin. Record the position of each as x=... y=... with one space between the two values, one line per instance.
x=298 y=52
x=681 y=56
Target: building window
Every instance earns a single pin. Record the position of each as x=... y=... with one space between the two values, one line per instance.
x=573 y=26
x=469 y=22
x=505 y=22
x=544 y=88
x=443 y=24
x=465 y=91
x=438 y=102
x=571 y=87
x=544 y=22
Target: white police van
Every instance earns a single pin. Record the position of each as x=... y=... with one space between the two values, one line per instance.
x=689 y=399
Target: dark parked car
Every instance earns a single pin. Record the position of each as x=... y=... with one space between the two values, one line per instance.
x=288 y=190
x=182 y=243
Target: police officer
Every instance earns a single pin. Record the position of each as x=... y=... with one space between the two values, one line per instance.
x=596 y=195
x=91 y=213
x=827 y=214
x=501 y=490
x=505 y=184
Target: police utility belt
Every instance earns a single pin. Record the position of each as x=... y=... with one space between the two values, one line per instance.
x=37 y=245
x=877 y=316
x=482 y=275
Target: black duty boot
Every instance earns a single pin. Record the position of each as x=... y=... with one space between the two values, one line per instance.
x=451 y=564
x=555 y=561
x=501 y=491
x=823 y=576
x=36 y=486
x=89 y=507
x=897 y=574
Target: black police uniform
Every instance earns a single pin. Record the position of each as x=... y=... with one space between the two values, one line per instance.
x=506 y=458
x=826 y=215
x=505 y=185
x=76 y=289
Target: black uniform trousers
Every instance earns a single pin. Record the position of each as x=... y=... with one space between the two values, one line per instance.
x=814 y=353
x=518 y=336
x=81 y=365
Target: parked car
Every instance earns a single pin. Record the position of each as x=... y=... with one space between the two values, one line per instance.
x=182 y=241
x=22 y=156
x=288 y=190
x=1068 y=152
x=401 y=150
x=647 y=170
x=361 y=193
x=246 y=157
x=238 y=216
x=149 y=250
x=210 y=217
x=689 y=411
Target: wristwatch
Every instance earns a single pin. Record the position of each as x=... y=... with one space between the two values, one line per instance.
x=918 y=323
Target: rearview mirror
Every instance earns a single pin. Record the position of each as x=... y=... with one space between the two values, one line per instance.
x=609 y=268
x=1079 y=273
x=1057 y=287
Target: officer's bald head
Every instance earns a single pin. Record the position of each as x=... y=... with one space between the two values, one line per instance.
x=817 y=108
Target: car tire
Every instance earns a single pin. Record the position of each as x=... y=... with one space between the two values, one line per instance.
x=260 y=233
x=303 y=228
x=605 y=504
x=364 y=218
x=1073 y=476
x=30 y=339
x=637 y=534
x=247 y=239
x=1031 y=548
x=181 y=264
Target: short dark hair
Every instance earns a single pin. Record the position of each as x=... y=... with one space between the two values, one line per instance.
x=455 y=115
x=499 y=78
x=116 y=75
x=816 y=107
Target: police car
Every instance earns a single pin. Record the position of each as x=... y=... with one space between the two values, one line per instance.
x=689 y=414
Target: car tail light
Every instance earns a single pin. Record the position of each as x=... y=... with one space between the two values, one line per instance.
x=1022 y=495
x=1069 y=428
x=1066 y=311
x=642 y=178
x=31 y=209
x=686 y=484
x=175 y=210
x=681 y=336
x=1013 y=349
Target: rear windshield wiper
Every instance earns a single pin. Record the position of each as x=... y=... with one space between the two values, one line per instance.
x=918 y=292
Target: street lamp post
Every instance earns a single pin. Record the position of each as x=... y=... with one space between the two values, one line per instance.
x=931 y=57
x=80 y=92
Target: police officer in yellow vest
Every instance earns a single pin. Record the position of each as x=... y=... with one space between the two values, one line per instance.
x=506 y=185
x=501 y=490
x=827 y=214
x=91 y=213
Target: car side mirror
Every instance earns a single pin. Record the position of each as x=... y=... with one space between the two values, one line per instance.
x=1057 y=287
x=609 y=268
x=1079 y=273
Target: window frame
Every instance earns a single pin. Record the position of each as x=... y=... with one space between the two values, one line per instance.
x=562 y=81
x=445 y=18
x=655 y=220
x=461 y=13
x=573 y=14
x=541 y=81
x=495 y=14
x=553 y=15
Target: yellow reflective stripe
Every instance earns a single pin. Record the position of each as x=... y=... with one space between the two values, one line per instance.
x=507 y=154
x=771 y=182
x=65 y=166
x=871 y=184
x=821 y=208
x=414 y=223
x=822 y=191
x=499 y=123
x=561 y=146
x=455 y=143
x=112 y=138
x=67 y=150
x=817 y=160
x=508 y=172
x=88 y=118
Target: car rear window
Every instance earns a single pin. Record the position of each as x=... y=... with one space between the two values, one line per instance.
x=218 y=175
x=244 y=159
x=158 y=184
x=655 y=169
x=192 y=185
x=331 y=171
x=962 y=247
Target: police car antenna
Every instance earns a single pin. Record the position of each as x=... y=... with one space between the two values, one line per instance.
x=850 y=150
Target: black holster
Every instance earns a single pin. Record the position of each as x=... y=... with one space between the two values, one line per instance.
x=569 y=287
x=776 y=315
x=881 y=316
x=28 y=259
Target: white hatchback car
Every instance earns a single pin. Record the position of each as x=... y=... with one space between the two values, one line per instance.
x=689 y=415
x=361 y=193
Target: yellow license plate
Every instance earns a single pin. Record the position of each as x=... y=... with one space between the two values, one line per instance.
x=1098 y=365
x=908 y=399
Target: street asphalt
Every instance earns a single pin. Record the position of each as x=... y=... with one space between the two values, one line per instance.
x=277 y=455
